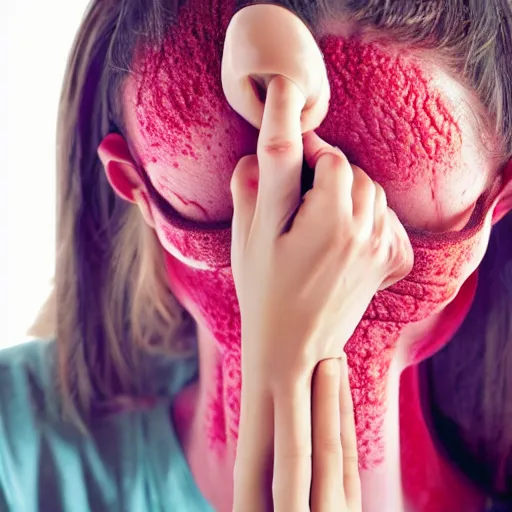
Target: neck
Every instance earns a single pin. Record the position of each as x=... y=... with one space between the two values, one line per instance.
x=209 y=402
x=212 y=459
x=381 y=484
x=210 y=453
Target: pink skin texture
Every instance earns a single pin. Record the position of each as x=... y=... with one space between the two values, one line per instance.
x=391 y=117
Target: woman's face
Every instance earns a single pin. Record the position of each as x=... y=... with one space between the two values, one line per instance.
x=405 y=121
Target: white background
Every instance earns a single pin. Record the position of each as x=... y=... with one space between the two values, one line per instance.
x=35 y=39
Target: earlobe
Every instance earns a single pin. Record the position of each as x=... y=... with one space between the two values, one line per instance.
x=119 y=166
x=504 y=203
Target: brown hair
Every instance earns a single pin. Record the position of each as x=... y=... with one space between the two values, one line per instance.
x=111 y=299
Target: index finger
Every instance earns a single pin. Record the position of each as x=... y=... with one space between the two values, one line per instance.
x=280 y=153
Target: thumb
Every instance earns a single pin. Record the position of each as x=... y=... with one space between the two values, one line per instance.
x=244 y=189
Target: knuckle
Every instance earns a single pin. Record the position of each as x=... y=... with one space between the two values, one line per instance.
x=332 y=159
x=350 y=458
x=247 y=166
x=337 y=241
x=277 y=147
x=298 y=455
x=328 y=445
x=246 y=162
x=358 y=236
x=377 y=245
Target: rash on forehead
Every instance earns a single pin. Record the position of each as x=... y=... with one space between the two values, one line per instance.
x=386 y=115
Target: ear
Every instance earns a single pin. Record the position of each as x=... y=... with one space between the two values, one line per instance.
x=121 y=171
x=504 y=202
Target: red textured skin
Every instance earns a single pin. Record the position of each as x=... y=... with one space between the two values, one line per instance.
x=415 y=127
x=183 y=118
x=178 y=114
x=440 y=262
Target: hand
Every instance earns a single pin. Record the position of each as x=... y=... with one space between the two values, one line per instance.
x=335 y=484
x=302 y=291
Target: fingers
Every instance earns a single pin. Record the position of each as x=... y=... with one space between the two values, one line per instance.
x=280 y=154
x=327 y=483
x=332 y=169
x=292 y=450
x=351 y=481
x=244 y=189
x=332 y=184
x=253 y=465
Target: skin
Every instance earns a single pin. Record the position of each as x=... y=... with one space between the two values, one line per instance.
x=190 y=161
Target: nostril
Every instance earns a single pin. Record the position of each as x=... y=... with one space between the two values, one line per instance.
x=264 y=41
x=260 y=85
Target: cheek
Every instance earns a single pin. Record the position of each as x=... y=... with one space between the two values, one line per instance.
x=188 y=138
x=446 y=205
x=189 y=163
x=393 y=123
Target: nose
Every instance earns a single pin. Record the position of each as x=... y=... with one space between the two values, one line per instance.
x=263 y=41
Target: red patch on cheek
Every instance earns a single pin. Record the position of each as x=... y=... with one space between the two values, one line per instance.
x=183 y=119
x=384 y=115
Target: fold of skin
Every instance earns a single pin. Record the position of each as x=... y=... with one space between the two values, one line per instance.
x=389 y=118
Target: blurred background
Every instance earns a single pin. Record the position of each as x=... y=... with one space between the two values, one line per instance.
x=35 y=39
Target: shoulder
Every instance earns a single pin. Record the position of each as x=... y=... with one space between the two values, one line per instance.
x=48 y=464
x=26 y=397
x=27 y=356
x=27 y=374
x=27 y=392
x=25 y=370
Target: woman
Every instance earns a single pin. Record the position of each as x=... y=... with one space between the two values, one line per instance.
x=423 y=88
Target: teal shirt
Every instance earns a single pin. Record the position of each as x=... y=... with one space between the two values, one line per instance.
x=131 y=462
